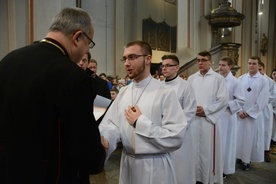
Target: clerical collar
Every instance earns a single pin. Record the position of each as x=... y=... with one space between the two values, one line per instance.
x=255 y=75
x=168 y=80
x=142 y=83
x=56 y=44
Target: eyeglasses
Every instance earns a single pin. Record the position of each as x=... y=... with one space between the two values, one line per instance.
x=91 y=44
x=131 y=57
x=167 y=65
x=202 y=60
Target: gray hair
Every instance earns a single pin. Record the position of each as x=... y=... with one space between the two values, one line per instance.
x=70 y=20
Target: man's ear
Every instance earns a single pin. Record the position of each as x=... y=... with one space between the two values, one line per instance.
x=76 y=37
x=177 y=68
x=148 y=58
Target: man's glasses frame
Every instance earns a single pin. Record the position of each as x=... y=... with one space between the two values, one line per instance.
x=131 y=57
x=202 y=60
x=91 y=44
x=167 y=65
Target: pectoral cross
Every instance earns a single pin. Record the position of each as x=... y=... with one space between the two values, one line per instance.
x=133 y=109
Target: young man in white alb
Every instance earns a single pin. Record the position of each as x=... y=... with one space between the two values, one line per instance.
x=228 y=120
x=250 y=137
x=212 y=99
x=183 y=157
x=147 y=118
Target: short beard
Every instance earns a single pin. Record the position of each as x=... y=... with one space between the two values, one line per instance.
x=139 y=71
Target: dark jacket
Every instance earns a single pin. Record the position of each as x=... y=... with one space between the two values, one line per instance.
x=48 y=133
x=102 y=87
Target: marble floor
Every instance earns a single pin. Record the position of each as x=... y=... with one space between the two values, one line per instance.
x=259 y=173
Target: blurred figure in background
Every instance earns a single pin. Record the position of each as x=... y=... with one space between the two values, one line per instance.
x=273 y=139
x=83 y=63
x=104 y=77
x=113 y=93
x=102 y=86
x=268 y=112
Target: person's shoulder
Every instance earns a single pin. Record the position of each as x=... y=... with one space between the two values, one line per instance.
x=219 y=76
x=182 y=81
x=194 y=74
x=242 y=76
x=163 y=88
x=216 y=74
x=67 y=70
x=234 y=79
x=269 y=79
x=18 y=52
x=191 y=77
x=100 y=79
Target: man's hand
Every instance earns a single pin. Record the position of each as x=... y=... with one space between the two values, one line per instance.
x=105 y=143
x=200 y=111
x=132 y=114
x=243 y=114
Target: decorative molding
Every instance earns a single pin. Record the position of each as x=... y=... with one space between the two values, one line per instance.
x=160 y=36
x=11 y=25
x=173 y=39
x=78 y=3
x=173 y=2
x=31 y=21
x=149 y=32
x=163 y=37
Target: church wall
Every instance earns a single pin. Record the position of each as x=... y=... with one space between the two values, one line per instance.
x=118 y=22
x=102 y=13
x=130 y=16
x=44 y=12
x=4 y=46
x=250 y=34
x=13 y=25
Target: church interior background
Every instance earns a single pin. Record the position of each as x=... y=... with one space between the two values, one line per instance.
x=236 y=28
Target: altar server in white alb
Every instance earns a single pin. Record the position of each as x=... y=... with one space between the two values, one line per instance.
x=268 y=113
x=250 y=137
x=212 y=98
x=183 y=157
x=273 y=139
x=228 y=120
x=147 y=117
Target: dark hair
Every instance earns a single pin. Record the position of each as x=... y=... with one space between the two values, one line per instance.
x=259 y=60
x=115 y=90
x=92 y=61
x=146 y=48
x=274 y=70
x=227 y=59
x=260 y=63
x=103 y=74
x=172 y=57
x=205 y=53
